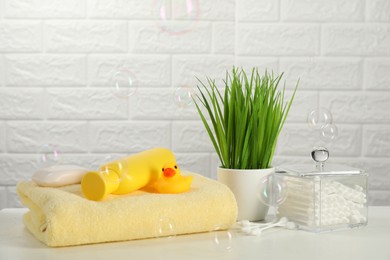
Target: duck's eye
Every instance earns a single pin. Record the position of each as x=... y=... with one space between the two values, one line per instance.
x=175 y=166
x=162 y=169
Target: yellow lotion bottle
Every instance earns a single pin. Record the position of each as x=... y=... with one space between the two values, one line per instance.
x=127 y=174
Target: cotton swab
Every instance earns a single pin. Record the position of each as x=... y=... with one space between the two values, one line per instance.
x=328 y=202
x=256 y=229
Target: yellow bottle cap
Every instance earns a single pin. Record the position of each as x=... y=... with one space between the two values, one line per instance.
x=96 y=185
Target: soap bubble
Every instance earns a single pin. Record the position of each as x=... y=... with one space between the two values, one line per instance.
x=183 y=96
x=48 y=155
x=177 y=17
x=319 y=118
x=165 y=228
x=329 y=132
x=272 y=190
x=222 y=238
x=105 y=173
x=112 y=163
x=123 y=83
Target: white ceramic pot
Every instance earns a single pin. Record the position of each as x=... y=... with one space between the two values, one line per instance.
x=244 y=185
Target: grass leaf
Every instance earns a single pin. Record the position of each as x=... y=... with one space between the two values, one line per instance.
x=246 y=119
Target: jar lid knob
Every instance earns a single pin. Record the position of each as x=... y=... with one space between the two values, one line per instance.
x=320 y=155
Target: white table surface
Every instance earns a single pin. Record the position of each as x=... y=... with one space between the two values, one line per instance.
x=370 y=242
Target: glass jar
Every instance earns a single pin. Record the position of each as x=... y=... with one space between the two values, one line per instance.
x=323 y=197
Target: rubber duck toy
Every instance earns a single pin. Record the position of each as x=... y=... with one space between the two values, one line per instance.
x=138 y=171
x=171 y=181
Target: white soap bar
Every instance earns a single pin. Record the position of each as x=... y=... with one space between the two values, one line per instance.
x=59 y=175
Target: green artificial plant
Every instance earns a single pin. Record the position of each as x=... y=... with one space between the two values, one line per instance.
x=245 y=119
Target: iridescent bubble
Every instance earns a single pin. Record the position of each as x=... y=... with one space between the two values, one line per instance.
x=319 y=118
x=48 y=155
x=222 y=238
x=123 y=83
x=272 y=190
x=177 y=16
x=165 y=227
x=329 y=132
x=107 y=174
x=113 y=163
x=183 y=96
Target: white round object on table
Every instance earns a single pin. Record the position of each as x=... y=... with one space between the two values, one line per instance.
x=59 y=175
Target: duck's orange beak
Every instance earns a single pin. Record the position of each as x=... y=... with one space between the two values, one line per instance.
x=169 y=172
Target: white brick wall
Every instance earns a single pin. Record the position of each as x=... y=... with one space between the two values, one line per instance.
x=357 y=107
x=2 y=137
x=336 y=73
x=27 y=103
x=376 y=140
x=378 y=10
x=257 y=11
x=190 y=137
x=45 y=70
x=58 y=58
x=29 y=136
x=158 y=104
x=127 y=137
x=146 y=37
x=377 y=74
x=147 y=70
x=278 y=39
x=323 y=11
x=224 y=37
x=19 y=36
x=1 y=70
x=85 y=36
x=41 y=9
x=365 y=39
x=121 y=9
x=82 y=103
x=186 y=68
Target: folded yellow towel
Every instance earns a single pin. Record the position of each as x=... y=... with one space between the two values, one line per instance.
x=63 y=217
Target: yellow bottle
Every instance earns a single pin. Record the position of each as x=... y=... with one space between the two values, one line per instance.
x=127 y=174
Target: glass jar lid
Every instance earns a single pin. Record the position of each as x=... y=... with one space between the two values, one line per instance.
x=319 y=155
